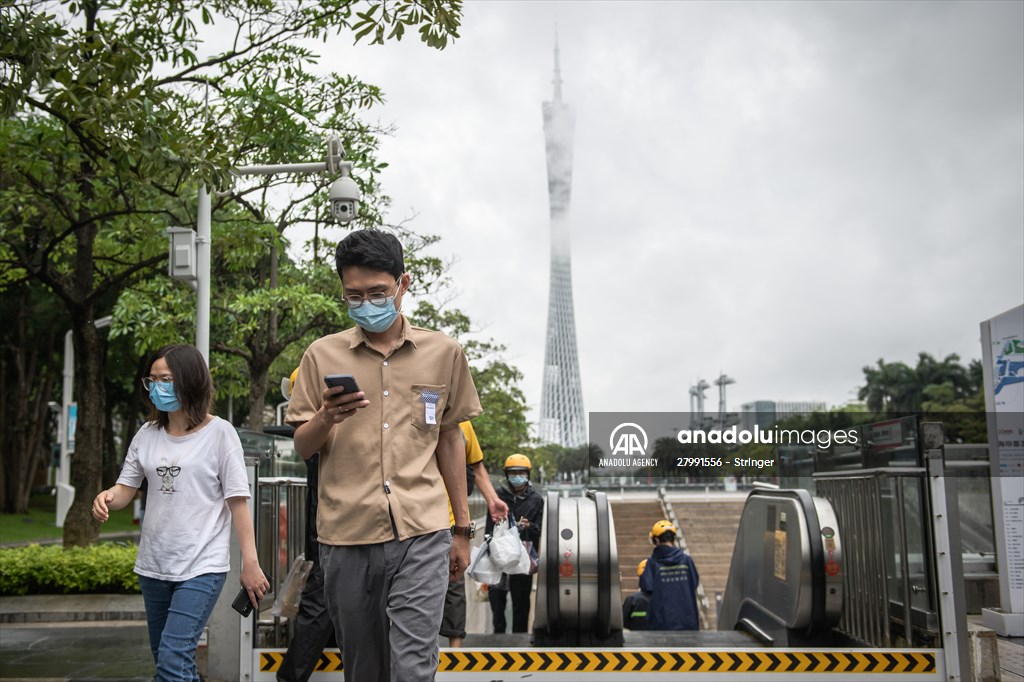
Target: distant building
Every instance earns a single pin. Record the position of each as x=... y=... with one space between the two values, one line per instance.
x=765 y=413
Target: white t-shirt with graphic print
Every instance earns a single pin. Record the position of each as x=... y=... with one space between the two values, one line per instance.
x=187 y=529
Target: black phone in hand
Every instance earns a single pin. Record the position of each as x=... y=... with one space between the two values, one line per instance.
x=242 y=603
x=347 y=381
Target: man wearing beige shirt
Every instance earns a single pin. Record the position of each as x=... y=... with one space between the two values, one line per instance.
x=389 y=453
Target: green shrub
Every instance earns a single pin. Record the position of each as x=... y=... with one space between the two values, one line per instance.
x=50 y=569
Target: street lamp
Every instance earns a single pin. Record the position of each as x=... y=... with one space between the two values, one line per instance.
x=68 y=422
x=344 y=196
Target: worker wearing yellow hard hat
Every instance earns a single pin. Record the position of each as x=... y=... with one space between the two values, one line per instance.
x=659 y=530
x=634 y=609
x=526 y=511
x=671 y=578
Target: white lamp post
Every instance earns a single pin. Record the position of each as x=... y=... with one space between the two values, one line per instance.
x=66 y=491
x=344 y=196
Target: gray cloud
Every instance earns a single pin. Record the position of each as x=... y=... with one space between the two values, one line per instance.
x=784 y=192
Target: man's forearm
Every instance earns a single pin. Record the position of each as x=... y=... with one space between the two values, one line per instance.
x=310 y=436
x=451 y=460
x=483 y=482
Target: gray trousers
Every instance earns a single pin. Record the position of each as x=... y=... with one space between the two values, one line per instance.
x=386 y=602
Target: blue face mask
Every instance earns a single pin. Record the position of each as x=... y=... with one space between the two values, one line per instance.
x=375 y=318
x=163 y=396
x=518 y=481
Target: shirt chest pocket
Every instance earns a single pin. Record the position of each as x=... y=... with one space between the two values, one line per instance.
x=428 y=405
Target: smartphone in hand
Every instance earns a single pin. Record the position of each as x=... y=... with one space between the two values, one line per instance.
x=242 y=603
x=347 y=381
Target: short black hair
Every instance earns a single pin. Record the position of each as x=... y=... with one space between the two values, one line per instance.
x=665 y=538
x=371 y=249
x=192 y=383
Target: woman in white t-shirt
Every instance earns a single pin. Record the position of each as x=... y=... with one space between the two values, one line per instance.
x=197 y=490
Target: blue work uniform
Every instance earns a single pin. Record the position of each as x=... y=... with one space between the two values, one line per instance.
x=671 y=578
x=634 y=610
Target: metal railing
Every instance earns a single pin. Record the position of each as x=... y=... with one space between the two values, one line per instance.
x=281 y=538
x=878 y=515
x=702 y=598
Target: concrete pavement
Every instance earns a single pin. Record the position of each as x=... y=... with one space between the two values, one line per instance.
x=80 y=638
x=71 y=608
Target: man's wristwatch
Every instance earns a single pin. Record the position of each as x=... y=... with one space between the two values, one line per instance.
x=465 y=531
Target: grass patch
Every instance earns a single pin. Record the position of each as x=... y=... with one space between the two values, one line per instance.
x=40 y=522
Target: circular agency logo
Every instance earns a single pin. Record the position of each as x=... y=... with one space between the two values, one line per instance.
x=628 y=439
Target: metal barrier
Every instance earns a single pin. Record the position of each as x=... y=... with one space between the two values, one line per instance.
x=881 y=579
x=281 y=535
x=903 y=582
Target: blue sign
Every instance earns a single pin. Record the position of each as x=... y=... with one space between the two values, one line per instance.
x=72 y=425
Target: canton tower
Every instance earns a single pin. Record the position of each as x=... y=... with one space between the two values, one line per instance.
x=561 y=411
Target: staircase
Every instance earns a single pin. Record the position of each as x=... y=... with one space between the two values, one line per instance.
x=709 y=527
x=633 y=521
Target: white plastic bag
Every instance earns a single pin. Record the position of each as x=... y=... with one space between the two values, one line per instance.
x=522 y=567
x=505 y=546
x=482 y=568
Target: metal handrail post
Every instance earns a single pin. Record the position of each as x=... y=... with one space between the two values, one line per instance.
x=908 y=623
x=948 y=559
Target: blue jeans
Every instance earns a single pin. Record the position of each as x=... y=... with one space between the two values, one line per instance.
x=176 y=613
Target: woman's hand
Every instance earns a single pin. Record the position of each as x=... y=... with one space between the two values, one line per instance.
x=101 y=506
x=254 y=582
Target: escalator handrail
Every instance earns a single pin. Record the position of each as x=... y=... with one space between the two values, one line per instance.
x=816 y=551
x=604 y=559
x=551 y=567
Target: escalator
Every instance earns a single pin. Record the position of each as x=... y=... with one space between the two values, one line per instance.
x=783 y=601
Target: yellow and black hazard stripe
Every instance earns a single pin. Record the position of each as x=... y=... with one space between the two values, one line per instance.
x=657 y=661
x=329 y=662
x=682 y=661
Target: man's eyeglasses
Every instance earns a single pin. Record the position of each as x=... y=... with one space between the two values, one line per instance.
x=377 y=298
x=147 y=382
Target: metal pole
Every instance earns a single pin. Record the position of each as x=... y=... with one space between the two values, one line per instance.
x=908 y=615
x=282 y=168
x=203 y=244
x=881 y=570
x=67 y=392
x=65 y=493
x=949 y=569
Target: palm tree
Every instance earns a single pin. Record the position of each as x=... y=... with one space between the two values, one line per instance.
x=895 y=387
x=889 y=387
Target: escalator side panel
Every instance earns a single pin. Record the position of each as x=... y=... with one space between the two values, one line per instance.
x=777 y=579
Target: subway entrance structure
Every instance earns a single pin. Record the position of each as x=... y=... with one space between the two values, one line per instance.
x=859 y=578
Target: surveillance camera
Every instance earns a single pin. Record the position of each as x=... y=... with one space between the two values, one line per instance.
x=344 y=197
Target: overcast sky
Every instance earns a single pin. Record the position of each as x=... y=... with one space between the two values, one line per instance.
x=781 y=192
